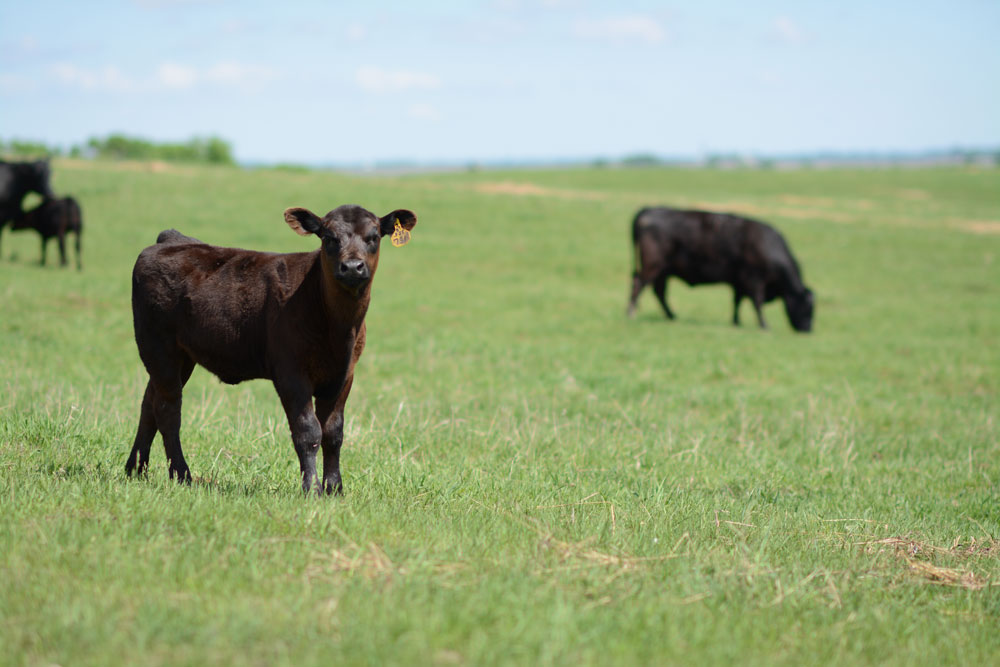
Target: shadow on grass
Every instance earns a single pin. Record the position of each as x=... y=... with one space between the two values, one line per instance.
x=51 y=263
x=681 y=321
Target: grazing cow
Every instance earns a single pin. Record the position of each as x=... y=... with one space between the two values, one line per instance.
x=295 y=319
x=55 y=218
x=702 y=247
x=18 y=179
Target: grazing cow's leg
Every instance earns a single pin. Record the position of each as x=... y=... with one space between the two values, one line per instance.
x=637 y=285
x=296 y=398
x=331 y=415
x=62 y=248
x=138 y=460
x=45 y=243
x=79 y=260
x=660 y=288
x=737 y=297
x=757 y=296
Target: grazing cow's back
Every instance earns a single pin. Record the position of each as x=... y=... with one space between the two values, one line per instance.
x=296 y=319
x=701 y=247
x=55 y=218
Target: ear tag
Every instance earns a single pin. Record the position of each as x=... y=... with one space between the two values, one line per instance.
x=400 y=236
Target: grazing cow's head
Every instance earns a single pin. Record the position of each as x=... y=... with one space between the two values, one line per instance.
x=800 y=310
x=351 y=238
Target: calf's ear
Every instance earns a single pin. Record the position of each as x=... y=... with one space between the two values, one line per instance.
x=406 y=219
x=302 y=221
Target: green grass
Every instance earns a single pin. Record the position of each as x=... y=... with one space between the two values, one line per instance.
x=530 y=477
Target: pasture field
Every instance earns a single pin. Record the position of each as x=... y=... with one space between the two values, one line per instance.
x=530 y=477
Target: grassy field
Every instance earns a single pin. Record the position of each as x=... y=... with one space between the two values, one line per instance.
x=530 y=478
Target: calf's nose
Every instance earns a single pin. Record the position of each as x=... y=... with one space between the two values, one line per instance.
x=354 y=267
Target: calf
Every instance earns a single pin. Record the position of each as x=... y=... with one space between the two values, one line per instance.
x=18 y=179
x=701 y=247
x=295 y=319
x=55 y=218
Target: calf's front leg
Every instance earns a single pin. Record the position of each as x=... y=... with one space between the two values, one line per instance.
x=331 y=415
x=296 y=398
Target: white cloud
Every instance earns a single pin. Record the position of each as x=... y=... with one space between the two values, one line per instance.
x=166 y=76
x=108 y=78
x=770 y=77
x=621 y=28
x=788 y=30
x=356 y=32
x=234 y=73
x=424 y=112
x=170 y=75
x=378 y=80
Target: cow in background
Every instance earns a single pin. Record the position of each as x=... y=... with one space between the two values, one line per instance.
x=55 y=218
x=702 y=247
x=18 y=179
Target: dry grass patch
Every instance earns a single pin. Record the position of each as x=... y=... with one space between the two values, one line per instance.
x=581 y=554
x=977 y=226
x=369 y=562
x=918 y=556
x=532 y=190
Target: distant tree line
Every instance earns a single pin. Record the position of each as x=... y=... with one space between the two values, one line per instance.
x=205 y=150
x=982 y=157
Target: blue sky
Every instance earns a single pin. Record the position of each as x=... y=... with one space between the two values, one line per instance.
x=334 y=82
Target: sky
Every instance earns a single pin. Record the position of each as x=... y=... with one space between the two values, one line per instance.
x=504 y=80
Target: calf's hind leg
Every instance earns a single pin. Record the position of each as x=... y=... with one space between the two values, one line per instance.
x=167 y=409
x=138 y=460
x=169 y=370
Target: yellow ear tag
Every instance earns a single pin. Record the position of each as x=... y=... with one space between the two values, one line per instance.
x=400 y=236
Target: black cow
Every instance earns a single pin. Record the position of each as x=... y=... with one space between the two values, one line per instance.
x=702 y=247
x=55 y=218
x=16 y=180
